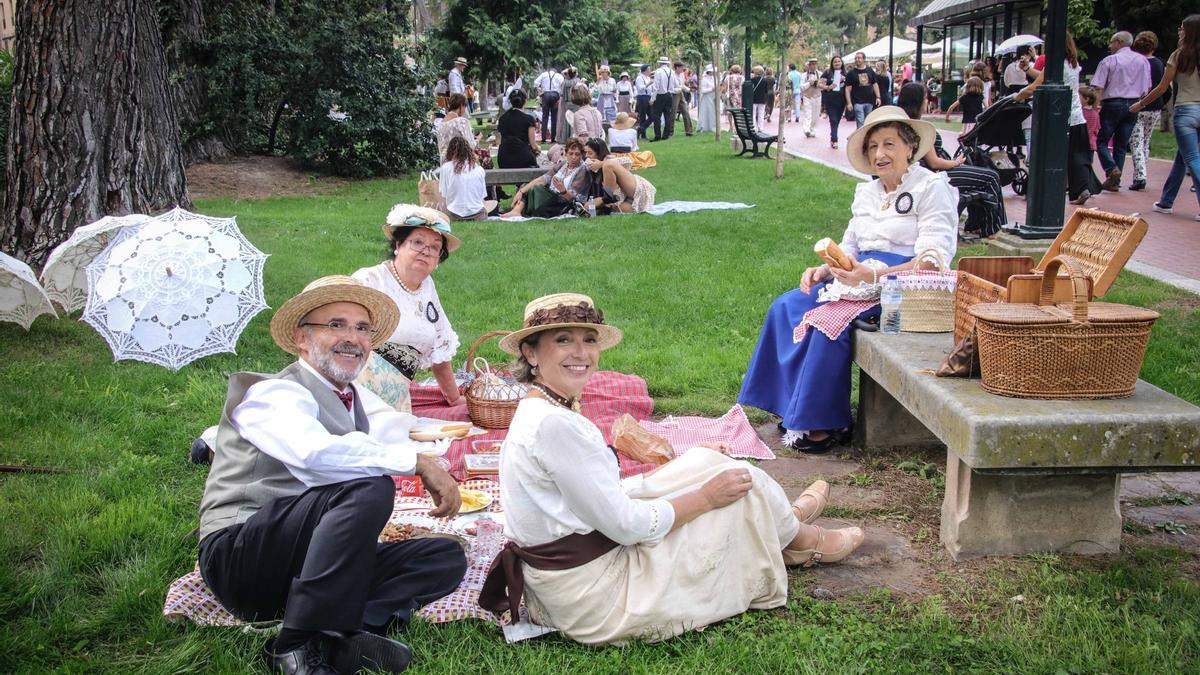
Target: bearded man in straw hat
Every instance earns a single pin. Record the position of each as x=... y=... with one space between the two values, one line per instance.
x=300 y=488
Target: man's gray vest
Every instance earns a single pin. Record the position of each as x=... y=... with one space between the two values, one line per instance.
x=243 y=479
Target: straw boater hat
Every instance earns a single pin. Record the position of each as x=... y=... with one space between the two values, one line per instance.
x=327 y=290
x=888 y=113
x=561 y=310
x=664 y=60
x=412 y=215
x=460 y=61
x=624 y=121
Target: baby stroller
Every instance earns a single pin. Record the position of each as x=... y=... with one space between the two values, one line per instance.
x=997 y=142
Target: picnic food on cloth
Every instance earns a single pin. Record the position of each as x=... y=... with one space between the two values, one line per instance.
x=630 y=438
x=473 y=500
x=927 y=296
x=437 y=432
x=828 y=250
x=1080 y=350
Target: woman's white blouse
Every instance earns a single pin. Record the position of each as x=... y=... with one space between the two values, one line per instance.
x=436 y=340
x=929 y=219
x=558 y=477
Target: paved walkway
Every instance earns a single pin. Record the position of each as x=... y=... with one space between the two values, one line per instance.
x=1168 y=253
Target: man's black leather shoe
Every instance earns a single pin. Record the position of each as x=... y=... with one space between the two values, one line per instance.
x=200 y=452
x=362 y=650
x=305 y=660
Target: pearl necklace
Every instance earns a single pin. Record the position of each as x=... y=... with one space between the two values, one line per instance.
x=569 y=404
x=396 y=275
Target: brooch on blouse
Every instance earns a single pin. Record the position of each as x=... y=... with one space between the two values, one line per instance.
x=431 y=312
x=904 y=203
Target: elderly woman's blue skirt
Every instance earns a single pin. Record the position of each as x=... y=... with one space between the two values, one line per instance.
x=807 y=383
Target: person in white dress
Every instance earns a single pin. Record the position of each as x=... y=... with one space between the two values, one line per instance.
x=419 y=239
x=605 y=561
x=708 y=101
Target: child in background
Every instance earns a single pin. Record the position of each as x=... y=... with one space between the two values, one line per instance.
x=1091 y=113
x=970 y=101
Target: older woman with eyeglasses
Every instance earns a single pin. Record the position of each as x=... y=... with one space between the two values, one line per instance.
x=419 y=239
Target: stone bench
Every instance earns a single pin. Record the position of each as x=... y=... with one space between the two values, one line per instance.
x=1021 y=475
x=511 y=176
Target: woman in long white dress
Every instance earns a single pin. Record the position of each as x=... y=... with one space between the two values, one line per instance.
x=698 y=540
x=708 y=101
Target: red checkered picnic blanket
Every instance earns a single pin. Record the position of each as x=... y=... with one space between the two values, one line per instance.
x=732 y=427
x=831 y=318
x=606 y=397
x=189 y=598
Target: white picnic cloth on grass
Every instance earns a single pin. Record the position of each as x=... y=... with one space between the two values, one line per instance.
x=656 y=210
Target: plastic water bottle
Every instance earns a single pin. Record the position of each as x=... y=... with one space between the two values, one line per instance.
x=889 y=301
x=592 y=208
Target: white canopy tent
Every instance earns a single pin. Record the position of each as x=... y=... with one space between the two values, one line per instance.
x=900 y=49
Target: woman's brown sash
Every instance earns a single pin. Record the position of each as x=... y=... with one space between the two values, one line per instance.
x=505 y=572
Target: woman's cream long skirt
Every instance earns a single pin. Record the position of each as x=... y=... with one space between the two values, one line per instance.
x=716 y=566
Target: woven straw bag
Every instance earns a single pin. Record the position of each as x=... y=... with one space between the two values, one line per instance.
x=927 y=297
x=1076 y=350
x=491 y=402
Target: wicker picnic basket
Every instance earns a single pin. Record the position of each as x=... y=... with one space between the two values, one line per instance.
x=927 y=297
x=1100 y=242
x=491 y=402
x=1076 y=350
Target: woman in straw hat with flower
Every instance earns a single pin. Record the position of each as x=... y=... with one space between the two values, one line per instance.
x=698 y=540
x=418 y=240
x=803 y=375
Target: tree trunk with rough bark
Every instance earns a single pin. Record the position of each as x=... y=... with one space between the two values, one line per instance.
x=183 y=35
x=93 y=131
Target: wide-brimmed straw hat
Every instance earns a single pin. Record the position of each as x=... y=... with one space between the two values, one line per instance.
x=605 y=69
x=327 y=290
x=412 y=215
x=624 y=121
x=561 y=310
x=460 y=61
x=888 y=113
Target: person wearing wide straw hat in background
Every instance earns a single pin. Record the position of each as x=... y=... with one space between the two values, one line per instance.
x=623 y=142
x=625 y=94
x=701 y=539
x=301 y=486
x=907 y=210
x=418 y=240
x=707 y=107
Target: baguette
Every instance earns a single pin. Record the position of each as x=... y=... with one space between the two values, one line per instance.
x=828 y=251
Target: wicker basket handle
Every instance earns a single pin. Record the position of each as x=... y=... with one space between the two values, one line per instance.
x=479 y=342
x=1079 y=283
x=934 y=255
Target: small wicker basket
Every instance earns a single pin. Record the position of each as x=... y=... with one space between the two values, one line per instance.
x=927 y=297
x=491 y=403
x=1076 y=350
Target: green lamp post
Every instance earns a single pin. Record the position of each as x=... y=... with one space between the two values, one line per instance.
x=1048 y=157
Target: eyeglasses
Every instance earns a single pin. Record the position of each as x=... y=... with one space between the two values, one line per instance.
x=431 y=249
x=343 y=328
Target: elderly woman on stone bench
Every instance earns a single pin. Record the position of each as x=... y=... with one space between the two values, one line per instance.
x=800 y=370
x=701 y=538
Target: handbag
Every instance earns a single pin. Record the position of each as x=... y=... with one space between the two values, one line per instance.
x=429 y=194
x=849 y=114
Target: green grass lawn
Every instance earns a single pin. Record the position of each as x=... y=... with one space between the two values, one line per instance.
x=86 y=557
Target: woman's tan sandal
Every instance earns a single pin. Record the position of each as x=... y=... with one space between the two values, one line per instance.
x=809 y=505
x=852 y=537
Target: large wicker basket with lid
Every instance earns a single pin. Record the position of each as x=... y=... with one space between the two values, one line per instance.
x=1100 y=242
x=1076 y=350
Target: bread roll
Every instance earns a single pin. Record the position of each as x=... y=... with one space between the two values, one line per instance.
x=828 y=250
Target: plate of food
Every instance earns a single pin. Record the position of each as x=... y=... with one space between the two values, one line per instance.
x=408 y=526
x=437 y=432
x=473 y=500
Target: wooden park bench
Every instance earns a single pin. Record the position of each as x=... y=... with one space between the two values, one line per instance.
x=1022 y=475
x=743 y=124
